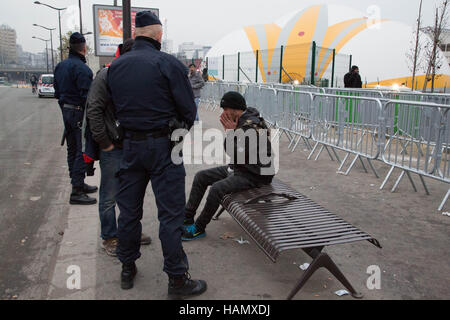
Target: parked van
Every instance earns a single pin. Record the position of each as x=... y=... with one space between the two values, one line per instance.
x=45 y=86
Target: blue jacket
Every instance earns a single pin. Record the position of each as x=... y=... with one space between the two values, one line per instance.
x=72 y=81
x=149 y=88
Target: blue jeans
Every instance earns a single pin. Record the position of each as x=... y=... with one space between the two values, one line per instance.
x=109 y=188
x=196 y=103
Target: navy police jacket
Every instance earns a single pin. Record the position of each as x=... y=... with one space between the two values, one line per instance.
x=149 y=88
x=72 y=80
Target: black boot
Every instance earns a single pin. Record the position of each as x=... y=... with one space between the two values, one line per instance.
x=182 y=286
x=89 y=189
x=129 y=271
x=78 y=196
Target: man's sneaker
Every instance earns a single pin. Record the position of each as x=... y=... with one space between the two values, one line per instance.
x=188 y=221
x=192 y=232
x=110 y=247
x=145 y=239
x=182 y=286
x=129 y=271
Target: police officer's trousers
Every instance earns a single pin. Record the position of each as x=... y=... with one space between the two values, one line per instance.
x=144 y=161
x=73 y=120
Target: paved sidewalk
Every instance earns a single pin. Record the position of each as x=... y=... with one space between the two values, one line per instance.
x=414 y=261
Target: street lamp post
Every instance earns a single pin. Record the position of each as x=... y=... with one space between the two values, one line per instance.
x=81 y=19
x=126 y=14
x=51 y=42
x=59 y=19
x=46 y=49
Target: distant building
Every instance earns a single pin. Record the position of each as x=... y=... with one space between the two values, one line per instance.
x=445 y=44
x=8 y=45
x=189 y=50
x=167 y=46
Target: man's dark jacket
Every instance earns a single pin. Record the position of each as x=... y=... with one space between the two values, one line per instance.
x=352 y=80
x=101 y=113
x=261 y=171
x=150 y=88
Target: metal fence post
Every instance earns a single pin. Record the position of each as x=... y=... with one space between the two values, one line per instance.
x=239 y=65
x=281 y=64
x=257 y=57
x=332 y=68
x=313 y=62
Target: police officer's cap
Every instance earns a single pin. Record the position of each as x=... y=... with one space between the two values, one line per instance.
x=146 y=18
x=233 y=100
x=77 y=37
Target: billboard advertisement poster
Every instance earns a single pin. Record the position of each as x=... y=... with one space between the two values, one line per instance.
x=109 y=28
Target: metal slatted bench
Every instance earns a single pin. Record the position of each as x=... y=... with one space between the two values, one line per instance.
x=278 y=218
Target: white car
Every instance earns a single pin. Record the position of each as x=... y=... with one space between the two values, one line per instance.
x=45 y=86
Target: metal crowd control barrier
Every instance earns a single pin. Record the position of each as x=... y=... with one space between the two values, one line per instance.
x=417 y=137
x=297 y=87
x=355 y=92
x=347 y=123
x=309 y=89
x=413 y=136
x=263 y=99
x=207 y=94
x=294 y=116
x=212 y=93
x=437 y=98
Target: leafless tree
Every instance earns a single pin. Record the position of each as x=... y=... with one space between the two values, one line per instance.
x=434 y=61
x=416 y=49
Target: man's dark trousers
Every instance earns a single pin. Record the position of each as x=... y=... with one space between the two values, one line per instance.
x=73 y=120
x=143 y=161
x=109 y=188
x=222 y=182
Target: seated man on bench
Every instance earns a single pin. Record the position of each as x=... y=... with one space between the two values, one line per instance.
x=251 y=163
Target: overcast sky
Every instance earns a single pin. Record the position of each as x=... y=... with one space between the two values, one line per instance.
x=201 y=21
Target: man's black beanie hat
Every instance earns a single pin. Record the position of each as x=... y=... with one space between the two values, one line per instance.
x=233 y=100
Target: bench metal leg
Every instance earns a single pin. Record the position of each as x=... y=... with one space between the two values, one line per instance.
x=324 y=260
x=216 y=217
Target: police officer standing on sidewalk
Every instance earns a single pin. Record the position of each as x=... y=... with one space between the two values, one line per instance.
x=72 y=82
x=149 y=90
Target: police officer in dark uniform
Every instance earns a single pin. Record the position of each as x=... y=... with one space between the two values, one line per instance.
x=150 y=89
x=71 y=82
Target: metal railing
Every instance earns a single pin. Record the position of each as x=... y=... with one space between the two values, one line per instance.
x=350 y=124
x=411 y=135
x=416 y=140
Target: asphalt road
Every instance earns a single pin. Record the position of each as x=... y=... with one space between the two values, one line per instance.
x=33 y=178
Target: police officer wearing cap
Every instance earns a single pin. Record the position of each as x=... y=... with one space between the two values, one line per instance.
x=71 y=82
x=149 y=90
